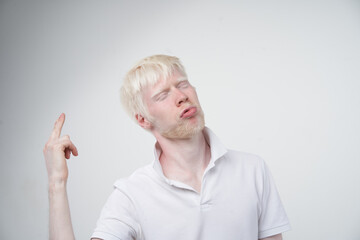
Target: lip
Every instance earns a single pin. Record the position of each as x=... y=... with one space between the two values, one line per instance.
x=188 y=112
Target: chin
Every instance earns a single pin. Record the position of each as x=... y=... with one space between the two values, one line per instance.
x=185 y=129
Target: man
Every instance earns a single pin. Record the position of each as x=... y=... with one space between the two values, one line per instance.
x=194 y=189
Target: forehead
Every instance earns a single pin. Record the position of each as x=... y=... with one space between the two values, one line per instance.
x=164 y=82
x=176 y=76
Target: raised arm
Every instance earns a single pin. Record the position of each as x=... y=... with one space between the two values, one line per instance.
x=56 y=151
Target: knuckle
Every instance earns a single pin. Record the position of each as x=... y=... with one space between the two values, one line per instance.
x=46 y=147
x=67 y=137
x=57 y=146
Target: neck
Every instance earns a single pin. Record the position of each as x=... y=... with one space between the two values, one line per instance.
x=185 y=160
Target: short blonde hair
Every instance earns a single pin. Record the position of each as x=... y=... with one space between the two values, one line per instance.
x=146 y=72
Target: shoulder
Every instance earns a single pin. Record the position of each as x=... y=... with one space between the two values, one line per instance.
x=139 y=176
x=243 y=165
x=141 y=182
x=243 y=158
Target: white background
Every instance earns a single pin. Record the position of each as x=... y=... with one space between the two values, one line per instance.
x=277 y=78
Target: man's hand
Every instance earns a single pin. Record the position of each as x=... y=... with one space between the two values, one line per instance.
x=56 y=151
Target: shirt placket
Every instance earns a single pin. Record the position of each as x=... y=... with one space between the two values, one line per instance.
x=204 y=197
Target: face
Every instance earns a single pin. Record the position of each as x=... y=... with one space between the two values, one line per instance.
x=174 y=108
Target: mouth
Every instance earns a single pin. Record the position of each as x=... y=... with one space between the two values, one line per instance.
x=188 y=112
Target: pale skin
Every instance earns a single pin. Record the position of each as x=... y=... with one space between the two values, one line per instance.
x=183 y=159
x=178 y=154
x=56 y=151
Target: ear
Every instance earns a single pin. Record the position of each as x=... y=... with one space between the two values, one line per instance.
x=143 y=122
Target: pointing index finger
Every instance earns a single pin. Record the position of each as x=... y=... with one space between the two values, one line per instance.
x=58 y=126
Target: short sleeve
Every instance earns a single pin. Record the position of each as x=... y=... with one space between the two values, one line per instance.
x=273 y=219
x=117 y=219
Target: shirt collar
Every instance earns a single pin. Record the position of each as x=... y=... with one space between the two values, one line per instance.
x=216 y=147
x=156 y=164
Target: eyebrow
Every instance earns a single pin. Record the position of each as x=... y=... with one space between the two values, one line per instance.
x=180 y=79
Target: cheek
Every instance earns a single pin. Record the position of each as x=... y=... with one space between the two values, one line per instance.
x=160 y=110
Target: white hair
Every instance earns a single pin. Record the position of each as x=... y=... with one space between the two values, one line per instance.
x=146 y=72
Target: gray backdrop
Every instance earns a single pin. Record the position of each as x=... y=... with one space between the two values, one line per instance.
x=275 y=78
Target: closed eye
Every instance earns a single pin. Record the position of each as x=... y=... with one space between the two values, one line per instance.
x=183 y=84
x=161 y=96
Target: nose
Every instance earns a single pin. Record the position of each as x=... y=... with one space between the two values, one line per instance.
x=181 y=98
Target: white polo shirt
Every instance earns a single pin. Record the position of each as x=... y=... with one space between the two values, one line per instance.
x=238 y=200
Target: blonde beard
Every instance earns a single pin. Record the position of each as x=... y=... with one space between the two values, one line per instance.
x=185 y=129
